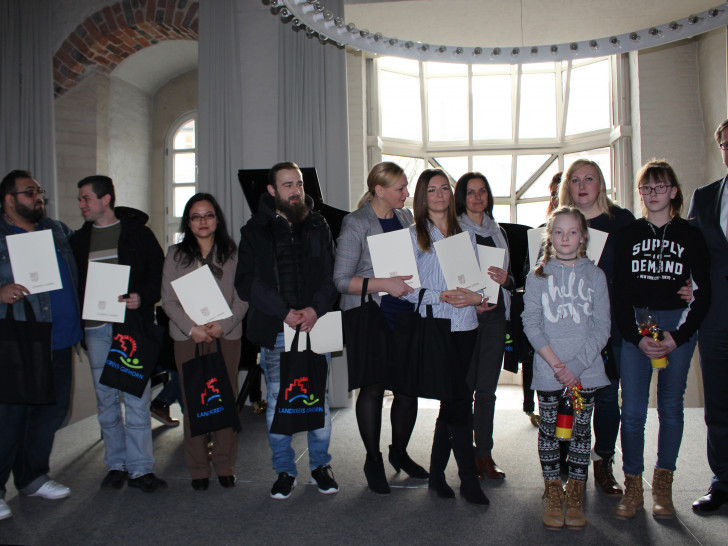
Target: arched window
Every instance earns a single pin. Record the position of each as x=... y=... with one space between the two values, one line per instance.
x=180 y=171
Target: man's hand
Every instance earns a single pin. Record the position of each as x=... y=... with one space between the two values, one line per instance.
x=686 y=292
x=133 y=300
x=293 y=318
x=308 y=318
x=10 y=293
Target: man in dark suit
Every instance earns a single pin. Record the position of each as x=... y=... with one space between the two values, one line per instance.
x=709 y=212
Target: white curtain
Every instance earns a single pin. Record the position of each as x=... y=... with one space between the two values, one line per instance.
x=220 y=118
x=27 y=139
x=312 y=126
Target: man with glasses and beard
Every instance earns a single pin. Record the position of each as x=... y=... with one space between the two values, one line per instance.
x=27 y=431
x=285 y=272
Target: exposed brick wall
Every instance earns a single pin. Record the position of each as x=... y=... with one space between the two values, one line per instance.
x=112 y=34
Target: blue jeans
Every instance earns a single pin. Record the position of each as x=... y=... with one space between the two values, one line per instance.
x=636 y=374
x=280 y=444
x=27 y=431
x=128 y=441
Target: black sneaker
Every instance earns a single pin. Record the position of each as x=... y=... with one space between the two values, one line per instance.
x=283 y=486
x=115 y=479
x=148 y=483
x=323 y=476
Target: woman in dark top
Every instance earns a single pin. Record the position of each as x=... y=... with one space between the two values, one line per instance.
x=380 y=210
x=474 y=207
x=655 y=256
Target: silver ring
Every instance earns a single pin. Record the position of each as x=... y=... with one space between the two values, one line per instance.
x=15 y=297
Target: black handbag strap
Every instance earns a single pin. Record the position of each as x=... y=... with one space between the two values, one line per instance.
x=294 y=343
x=197 y=348
x=29 y=313
x=428 y=307
x=364 y=286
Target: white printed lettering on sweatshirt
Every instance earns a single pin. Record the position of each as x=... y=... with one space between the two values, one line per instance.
x=581 y=300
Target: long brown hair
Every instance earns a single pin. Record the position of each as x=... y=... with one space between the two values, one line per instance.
x=660 y=170
x=549 y=248
x=422 y=216
x=565 y=199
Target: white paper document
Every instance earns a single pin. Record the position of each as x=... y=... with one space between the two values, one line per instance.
x=326 y=334
x=491 y=257
x=200 y=296
x=33 y=261
x=458 y=262
x=535 y=242
x=393 y=256
x=597 y=240
x=104 y=284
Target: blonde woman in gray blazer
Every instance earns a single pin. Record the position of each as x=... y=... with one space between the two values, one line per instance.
x=205 y=241
x=380 y=210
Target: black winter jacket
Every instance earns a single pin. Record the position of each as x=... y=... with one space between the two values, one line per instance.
x=138 y=248
x=257 y=278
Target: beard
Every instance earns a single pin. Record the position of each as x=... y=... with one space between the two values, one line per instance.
x=294 y=211
x=32 y=215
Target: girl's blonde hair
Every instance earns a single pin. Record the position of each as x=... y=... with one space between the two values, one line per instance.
x=383 y=174
x=549 y=248
x=565 y=199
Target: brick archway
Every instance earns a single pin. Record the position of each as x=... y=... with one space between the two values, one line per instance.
x=112 y=34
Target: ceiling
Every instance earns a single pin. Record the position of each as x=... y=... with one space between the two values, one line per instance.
x=505 y=23
x=150 y=68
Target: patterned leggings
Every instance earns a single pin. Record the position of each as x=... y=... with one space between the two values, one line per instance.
x=580 y=444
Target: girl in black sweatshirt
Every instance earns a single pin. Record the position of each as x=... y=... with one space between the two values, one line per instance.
x=654 y=257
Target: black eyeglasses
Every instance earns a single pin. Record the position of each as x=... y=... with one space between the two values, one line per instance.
x=208 y=217
x=660 y=188
x=30 y=192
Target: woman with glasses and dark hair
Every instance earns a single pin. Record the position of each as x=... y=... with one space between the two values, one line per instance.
x=380 y=210
x=655 y=256
x=205 y=241
x=435 y=220
x=474 y=207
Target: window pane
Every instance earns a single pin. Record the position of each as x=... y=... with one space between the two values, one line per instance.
x=588 y=108
x=184 y=138
x=184 y=168
x=492 y=107
x=502 y=213
x=526 y=165
x=497 y=169
x=446 y=69
x=182 y=194
x=485 y=69
x=601 y=157
x=454 y=166
x=447 y=101
x=532 y=214
x=398 y=64
x=412 y=167
x=538 y=106
x=540 y=188
x=400 y=105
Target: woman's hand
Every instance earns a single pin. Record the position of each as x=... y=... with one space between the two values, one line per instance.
x=461 y=297
x=199 y=334
x=396 y=287
x=133 y=300
x=214 y=330
x=668 y=343
x=652 y=348
x=498 y=275
x=485 y=307
x=686 y=292
x=10 y=293
x=564 y=376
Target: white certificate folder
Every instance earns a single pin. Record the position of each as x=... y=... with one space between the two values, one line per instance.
x=491 y=257
x=33 y=261
x=393 y=256
x=104 y=284
x=200 y=296
x=458 y=262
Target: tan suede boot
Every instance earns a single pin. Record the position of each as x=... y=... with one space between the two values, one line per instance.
x=633 y=498
x=574 y=517
x=553 y=513
x=662 y=507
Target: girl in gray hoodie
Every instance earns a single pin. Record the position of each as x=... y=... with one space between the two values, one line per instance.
x=566 y=319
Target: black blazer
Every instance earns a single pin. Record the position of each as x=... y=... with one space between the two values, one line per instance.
x=704 y=213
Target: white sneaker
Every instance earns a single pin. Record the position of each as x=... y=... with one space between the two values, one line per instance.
x=52 y=490
x=5 y=511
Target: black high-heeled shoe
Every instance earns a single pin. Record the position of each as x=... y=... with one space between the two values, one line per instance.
x=374 y=472
x=401 y=461
x=200 y=484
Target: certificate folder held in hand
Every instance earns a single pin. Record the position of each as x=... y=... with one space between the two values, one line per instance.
x=33 y=261
x=491 y=257
x=200 y=296
x=104 y=284
x=458 y=262
x=393 y=256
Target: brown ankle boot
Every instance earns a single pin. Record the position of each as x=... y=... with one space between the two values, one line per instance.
x=633 y=498
x=604 y=479
x=553 y=513
x=662 y=507
x=574 y=517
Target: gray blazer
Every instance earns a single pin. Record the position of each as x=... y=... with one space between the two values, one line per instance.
x=352 y=250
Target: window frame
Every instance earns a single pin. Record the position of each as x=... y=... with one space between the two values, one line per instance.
x=172 y=222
